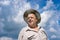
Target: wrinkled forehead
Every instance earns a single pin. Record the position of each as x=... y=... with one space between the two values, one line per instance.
x=31 y=15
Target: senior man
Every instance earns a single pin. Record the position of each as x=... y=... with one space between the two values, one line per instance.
x=32 y=31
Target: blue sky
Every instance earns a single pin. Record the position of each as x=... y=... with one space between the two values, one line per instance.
x=11 y=17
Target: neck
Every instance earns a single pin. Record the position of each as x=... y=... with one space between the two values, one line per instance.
x=33 y=26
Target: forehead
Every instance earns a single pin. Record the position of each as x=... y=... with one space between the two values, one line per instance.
x=31 y=15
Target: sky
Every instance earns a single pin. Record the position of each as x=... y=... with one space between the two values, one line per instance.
x=11 y=17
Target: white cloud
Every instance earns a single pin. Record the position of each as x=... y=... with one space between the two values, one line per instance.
x=9 y=18
x=5 y=2
x=19 y=17
x=48 y=5
x=0 y=8
x=52 y=29
x=53 y=22
x=1 y=26
x=45 y=16
x=36 y=6
x=53 y=36
x=6 y=38
x=2 y=19
x=23 y=6
x=57 y=22
x=58 y=19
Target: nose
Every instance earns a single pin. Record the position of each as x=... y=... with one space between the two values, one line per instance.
x=29 y=19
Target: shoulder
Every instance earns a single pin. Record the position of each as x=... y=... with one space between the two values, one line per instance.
x=42 y=29
x=44 y=35
x=24 y=29
x=43 y=32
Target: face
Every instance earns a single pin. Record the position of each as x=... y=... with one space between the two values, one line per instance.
x=31 y=20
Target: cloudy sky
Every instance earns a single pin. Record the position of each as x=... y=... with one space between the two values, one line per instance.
x=11 y=17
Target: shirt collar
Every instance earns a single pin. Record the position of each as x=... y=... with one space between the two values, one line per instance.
x=30 y=29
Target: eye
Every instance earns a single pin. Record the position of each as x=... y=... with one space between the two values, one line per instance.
x=29 y=17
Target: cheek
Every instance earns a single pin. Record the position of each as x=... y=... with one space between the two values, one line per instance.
x=35 y=20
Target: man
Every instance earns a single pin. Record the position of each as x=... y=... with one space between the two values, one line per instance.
x=32 y=31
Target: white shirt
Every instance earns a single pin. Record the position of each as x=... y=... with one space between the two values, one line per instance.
x=29 y=34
